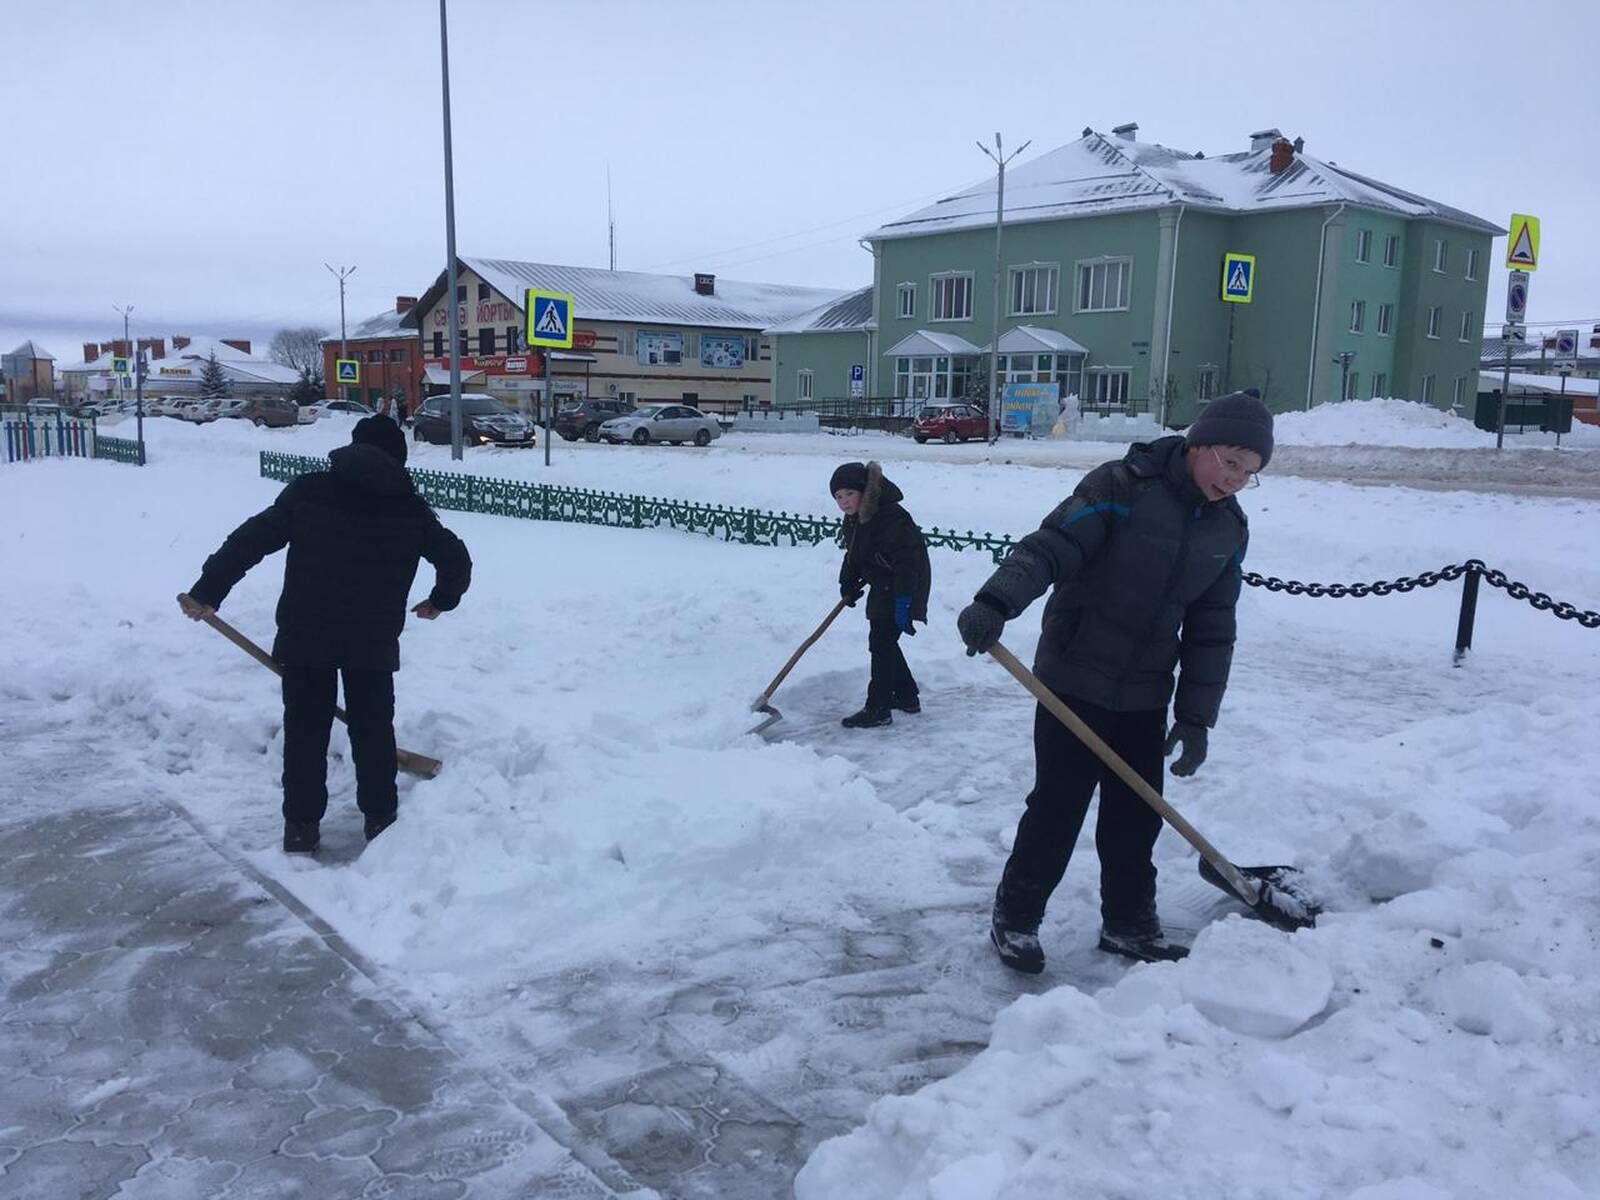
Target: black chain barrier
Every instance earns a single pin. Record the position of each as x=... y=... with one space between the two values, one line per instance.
x=1473 y=570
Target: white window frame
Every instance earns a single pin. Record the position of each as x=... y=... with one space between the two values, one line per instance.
x=947 y=278
x=1092 y=380
x=907 y=293
x=1380 y=384
x=1087 y=266
x=1391 y=251
x=1363 y=245
x=1385 y=320
x=625 y=343
x=1205 y=381
x=1352 y=385
x=1428 y=388
x=1456 y=388
x=1358 y=316
x=1050 y=273
x=1435 y=316
x=1472 y=263
x=1465 y=334
x=803 y=379
x=1441 y=256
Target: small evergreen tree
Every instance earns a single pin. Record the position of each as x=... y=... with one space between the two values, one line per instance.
x=308 y=388
x=213 y=383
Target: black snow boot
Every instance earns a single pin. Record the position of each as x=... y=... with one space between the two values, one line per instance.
x=1015 y=938
x=913 y=705
x=868 y=718
x=301 y=839
x=1140 y=937
x=376 y=825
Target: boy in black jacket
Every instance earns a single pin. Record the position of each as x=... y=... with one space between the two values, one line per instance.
x=883 y=550
x=1145 y=558
x=355 y=533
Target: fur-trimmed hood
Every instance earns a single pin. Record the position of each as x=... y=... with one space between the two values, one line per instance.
x=880 y=490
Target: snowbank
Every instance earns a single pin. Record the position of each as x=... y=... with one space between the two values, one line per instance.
x=1405 y=423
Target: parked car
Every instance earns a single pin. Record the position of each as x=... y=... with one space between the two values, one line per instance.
x=191 y=408
x=346 y=406
x=275 y=412
x=671 y=423
x=583 y=418
x=308 y=414
x=951 y=423
x=483 y=420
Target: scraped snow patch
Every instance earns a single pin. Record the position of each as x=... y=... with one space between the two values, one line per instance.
x=1489 y=998
x=1251 y=979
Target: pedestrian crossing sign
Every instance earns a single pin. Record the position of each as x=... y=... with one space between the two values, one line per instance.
x=1522 y=246
x=1238 y=278
x=347 y=370
x=549 y=319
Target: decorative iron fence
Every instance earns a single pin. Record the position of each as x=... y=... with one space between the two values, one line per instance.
x=46 y=434
x=581 y=506
x=122 y=450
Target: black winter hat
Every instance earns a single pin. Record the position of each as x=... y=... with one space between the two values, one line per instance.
x=1237 y=419
x=851 y=476
x=382 y=433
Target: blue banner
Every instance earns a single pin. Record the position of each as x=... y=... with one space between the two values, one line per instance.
x=1018 y=401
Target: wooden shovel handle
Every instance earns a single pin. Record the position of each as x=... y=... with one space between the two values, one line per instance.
x=1008 y=660
x=795 y=657
x=408 y=761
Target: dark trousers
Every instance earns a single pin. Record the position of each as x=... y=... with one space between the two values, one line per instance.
x=1066 y=773
x=308 y=699
x=891 y=677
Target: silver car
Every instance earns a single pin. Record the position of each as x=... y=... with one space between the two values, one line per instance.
x=670 y=423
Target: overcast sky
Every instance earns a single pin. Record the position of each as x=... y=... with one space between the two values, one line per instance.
x=202 y=159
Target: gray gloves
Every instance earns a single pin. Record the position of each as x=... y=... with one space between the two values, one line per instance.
x=1193 y=739
x=980 y=625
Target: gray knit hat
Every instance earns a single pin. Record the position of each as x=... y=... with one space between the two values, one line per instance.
x=1237 y=419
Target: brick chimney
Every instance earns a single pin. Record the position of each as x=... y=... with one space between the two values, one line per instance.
x=404 y=304
x=1282 y=156
x=242 y=345
x=179 y=342
x=156 y=346
x=91 y=351
x=704 y=285
x=1130 y=131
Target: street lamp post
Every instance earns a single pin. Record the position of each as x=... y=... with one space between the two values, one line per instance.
x=341 y=274
x=1000 y=159
x=122 y=380
x=450 y=241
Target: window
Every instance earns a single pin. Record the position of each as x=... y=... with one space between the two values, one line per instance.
x=1352 y=385
x=752 y=348
x=1108 y=388
x=1103 y=286
x=513 y=339
x=1427 y=389
x=1391 y=250
x=1441 y=254
x=1434 y=314
x=1466 y=327
x=1205 y=383
x=461 y=343
x=750 y=399
x=1380 y=385
x=628 y=398
x=1385 y=320
x=1472 y=264
x=1069 y=374
x=908 y=299
x=625 y=342
x=486 y=341
x=802 y=389
x=952 y=297
x=1456 y=389
x=1033 y=289
x=1363 y=245
x=483 y=291
x=461 y=293
x=1358 y=316
x=438 y=345
x=397 y=356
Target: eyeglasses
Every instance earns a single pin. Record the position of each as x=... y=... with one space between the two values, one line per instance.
x=1236 y=471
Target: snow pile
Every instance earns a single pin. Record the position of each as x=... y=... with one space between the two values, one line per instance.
x=1407 y=424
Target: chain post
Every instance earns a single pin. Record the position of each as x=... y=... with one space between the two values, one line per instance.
x=1469 y=610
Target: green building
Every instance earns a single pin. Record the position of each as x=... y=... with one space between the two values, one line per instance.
x=1112 y=282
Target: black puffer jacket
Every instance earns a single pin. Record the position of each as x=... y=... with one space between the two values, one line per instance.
x=884 y=550
x=355 y=533
x=1147 y=575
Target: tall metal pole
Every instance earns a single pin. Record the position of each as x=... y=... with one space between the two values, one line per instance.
x=450 y=241
x=122 y=380
x=1505 y=390
x=341 y=274
x=1000 y=159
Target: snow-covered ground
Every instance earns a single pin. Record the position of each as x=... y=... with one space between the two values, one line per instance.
x=610 y=864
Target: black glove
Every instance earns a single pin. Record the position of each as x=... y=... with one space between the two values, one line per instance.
x=980 y=625
x=1193 y=739
x=850 y=593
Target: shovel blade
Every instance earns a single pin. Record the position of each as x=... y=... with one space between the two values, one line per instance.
x=1279 y=899
x=771 y=718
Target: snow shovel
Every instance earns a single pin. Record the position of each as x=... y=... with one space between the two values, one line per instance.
x=1268 y=892
x=408 y=761
x=773 y=716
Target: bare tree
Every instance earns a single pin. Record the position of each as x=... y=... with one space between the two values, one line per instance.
x=299 y=348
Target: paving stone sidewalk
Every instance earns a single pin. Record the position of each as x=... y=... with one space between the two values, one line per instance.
x=173 y=1027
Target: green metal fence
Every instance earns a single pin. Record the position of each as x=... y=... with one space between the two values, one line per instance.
x=122 y=450
x=580 y=506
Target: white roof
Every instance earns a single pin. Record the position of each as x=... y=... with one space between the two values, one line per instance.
x=1099 y=174
x=925 y=342
x=384 y=325
x=440 y=376
x=1489 y=381
x=258 y=370
x=602 y=295
x=32 y=349
x=1030 y=339
x=850 y=313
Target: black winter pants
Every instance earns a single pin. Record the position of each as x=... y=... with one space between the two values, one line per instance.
x=891 y=677
x=308 y=699
x=1065 y=775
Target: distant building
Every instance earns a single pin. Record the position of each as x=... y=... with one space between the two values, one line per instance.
x=28 y=373
x=390 y=354
x=815 y=353
x=1537 y=355
x=175 y=370
x=691 y=339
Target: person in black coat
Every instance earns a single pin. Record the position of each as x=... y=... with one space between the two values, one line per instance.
x=355 y=534
x=883 y=551
x=1145 y=558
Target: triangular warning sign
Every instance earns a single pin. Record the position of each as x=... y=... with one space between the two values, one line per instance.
x=1522 y=253
x=1238 y=279
x=550 y=323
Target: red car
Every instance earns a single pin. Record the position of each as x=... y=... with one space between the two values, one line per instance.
x=951 y=423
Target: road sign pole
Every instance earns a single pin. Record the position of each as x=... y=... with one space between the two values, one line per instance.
x=549 y=406
x=1505 y=388
x=1227 y=367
